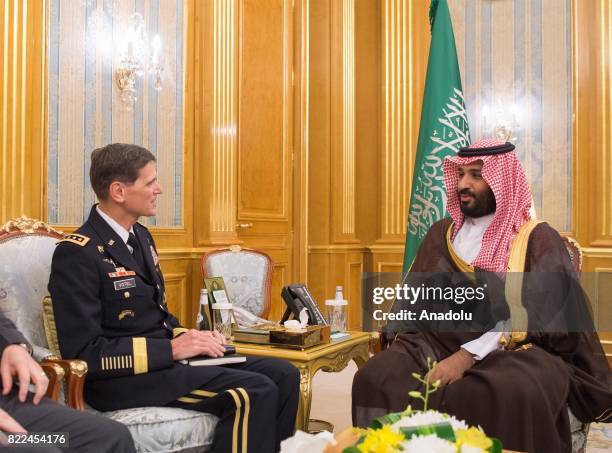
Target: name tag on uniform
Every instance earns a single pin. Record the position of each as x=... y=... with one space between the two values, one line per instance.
x=125 y=284
x=121 y=273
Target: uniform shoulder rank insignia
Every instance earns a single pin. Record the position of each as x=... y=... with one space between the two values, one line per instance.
x=77 y=239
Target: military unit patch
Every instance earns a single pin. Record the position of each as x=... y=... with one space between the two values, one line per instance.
x=77 y=239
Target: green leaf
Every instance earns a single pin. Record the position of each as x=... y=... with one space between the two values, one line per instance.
x=388 y=419
x=443 y=430
x=415 y=394
x=496 y=447
x=352 y=449
x=416 y=375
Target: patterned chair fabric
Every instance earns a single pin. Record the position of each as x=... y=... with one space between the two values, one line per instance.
x=247 y=275
x=25 y=266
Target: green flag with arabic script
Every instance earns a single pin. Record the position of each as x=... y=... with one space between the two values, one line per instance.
x=443 y=130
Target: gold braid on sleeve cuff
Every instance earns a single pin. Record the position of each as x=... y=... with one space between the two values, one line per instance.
x=178 y=331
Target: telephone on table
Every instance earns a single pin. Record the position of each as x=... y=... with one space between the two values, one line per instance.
x=297 y=297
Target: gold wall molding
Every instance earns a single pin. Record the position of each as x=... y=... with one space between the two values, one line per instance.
x=177 y=295
x=594 y=252
x=592 y=77
x=405 y=37
x=224 y=119
x=343 y=120
x=22 y=107
x=301 y=144
x=337 y=248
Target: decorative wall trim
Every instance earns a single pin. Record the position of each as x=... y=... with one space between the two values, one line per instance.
x=224 y=118
x=400 y=110
x=301 y=151
x=348 y=116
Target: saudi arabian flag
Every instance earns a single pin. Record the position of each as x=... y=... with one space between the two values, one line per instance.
x=443 y=130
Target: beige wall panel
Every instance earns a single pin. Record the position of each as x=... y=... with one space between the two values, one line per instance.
x=123 y=119
x=70 y=115
x=556 y=185
x=166 y=119
x=263 y=145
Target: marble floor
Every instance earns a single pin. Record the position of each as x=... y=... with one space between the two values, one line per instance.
x=332 y=402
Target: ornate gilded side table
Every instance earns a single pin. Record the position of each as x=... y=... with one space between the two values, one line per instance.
x=331 y=357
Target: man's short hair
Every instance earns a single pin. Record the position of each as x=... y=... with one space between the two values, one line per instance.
x=116 y=162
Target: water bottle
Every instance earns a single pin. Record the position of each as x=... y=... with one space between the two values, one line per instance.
x=202 y=322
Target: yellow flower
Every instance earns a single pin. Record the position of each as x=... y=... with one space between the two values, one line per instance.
x=472 y=437
x=383 y=440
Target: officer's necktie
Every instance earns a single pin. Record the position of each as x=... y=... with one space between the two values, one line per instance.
x=137 y=252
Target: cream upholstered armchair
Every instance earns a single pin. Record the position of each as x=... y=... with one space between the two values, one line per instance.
x=21 y=292
x=26 y=249
x=247 y=275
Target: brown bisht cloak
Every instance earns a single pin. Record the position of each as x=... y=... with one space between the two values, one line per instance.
x=521 y=397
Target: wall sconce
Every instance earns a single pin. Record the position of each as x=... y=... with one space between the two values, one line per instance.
x=499 y=122
x=133 y=61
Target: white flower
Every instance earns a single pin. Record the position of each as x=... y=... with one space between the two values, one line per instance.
x=429 y=418
x=302 y=441
x=429 y=444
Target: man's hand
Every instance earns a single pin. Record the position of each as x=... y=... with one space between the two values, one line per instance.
x=451 y=368
x=198 y=342
x=17 y=362
x=9 y=424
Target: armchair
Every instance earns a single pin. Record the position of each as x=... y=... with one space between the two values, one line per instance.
x=247 y=274
x=23 y=279
x=26 y=250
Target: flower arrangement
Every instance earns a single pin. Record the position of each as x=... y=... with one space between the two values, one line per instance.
x=414 y=431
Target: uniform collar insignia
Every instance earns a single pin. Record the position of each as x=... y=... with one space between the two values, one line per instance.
x=101 y=248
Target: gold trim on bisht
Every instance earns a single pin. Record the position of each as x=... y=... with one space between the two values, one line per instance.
x=461 y=264
x=514 y=285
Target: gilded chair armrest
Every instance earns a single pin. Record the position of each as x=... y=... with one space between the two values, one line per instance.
x=55 y=373
x=75 y=372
